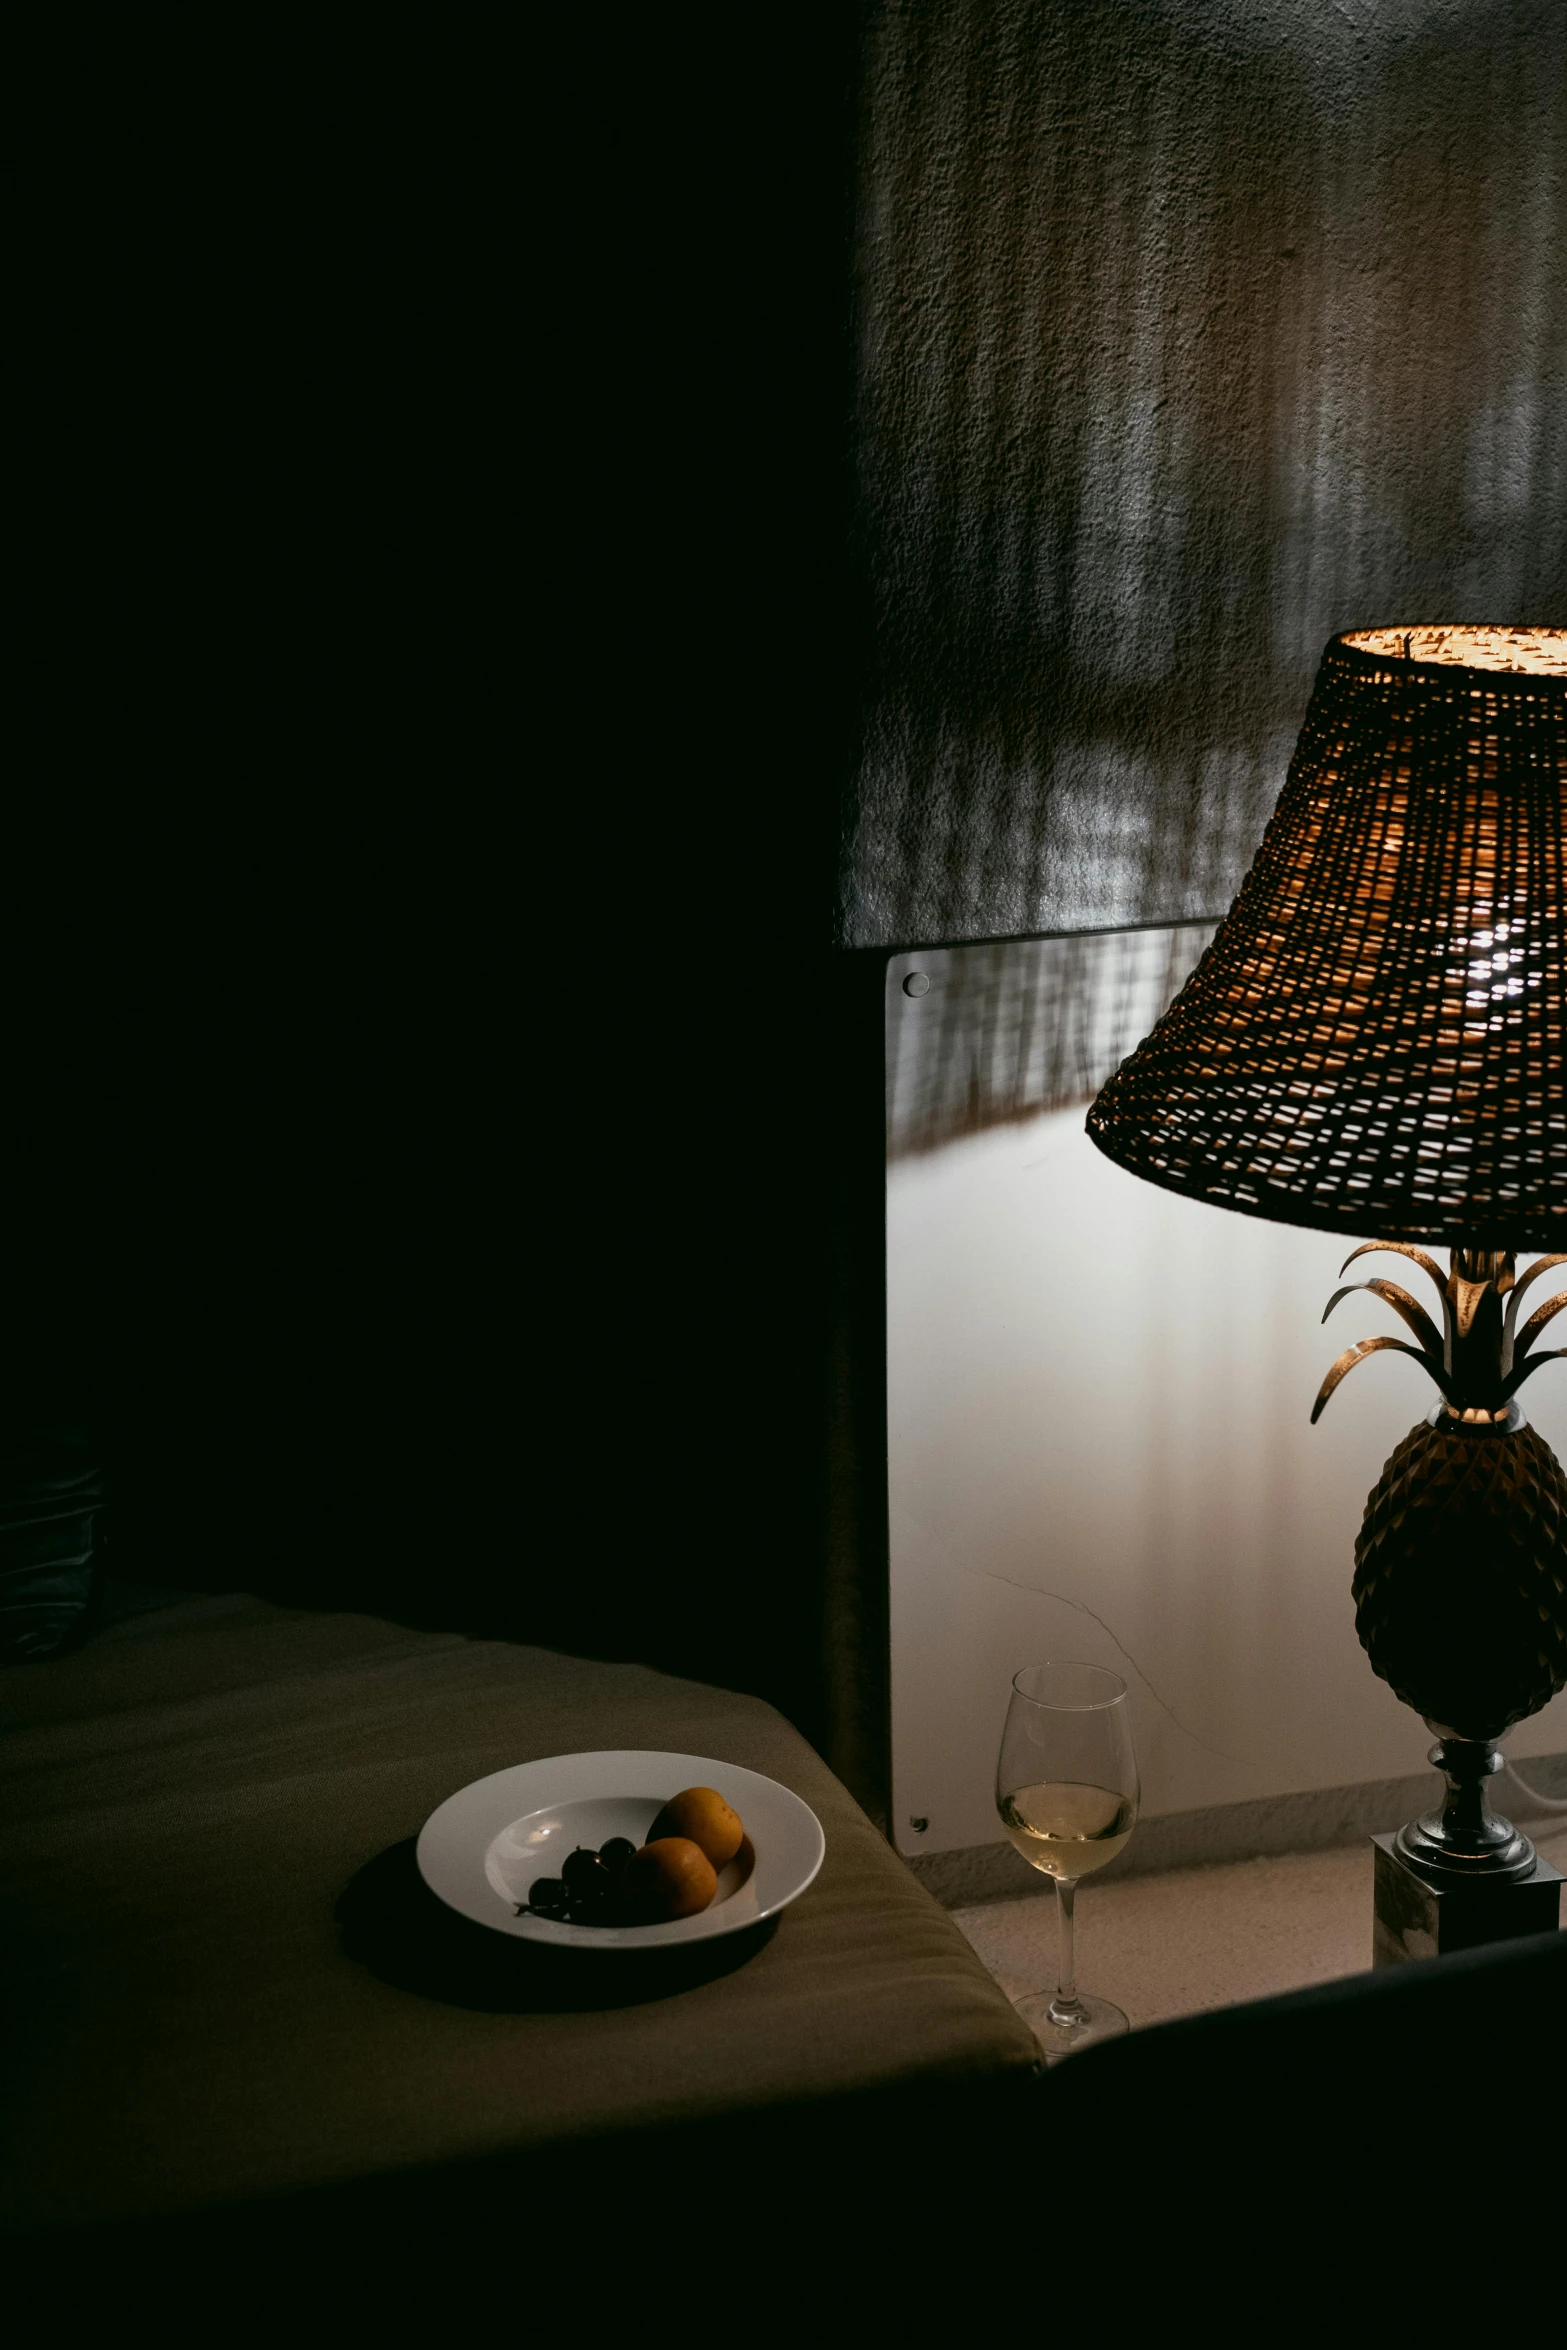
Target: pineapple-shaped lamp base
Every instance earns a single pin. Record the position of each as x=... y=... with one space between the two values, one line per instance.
x=1461 y=1562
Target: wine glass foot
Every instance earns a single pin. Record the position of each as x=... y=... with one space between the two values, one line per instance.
x=1062 y=2031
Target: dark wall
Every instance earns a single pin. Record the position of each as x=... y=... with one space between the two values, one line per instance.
x=1190 y=331
x=424 y=1161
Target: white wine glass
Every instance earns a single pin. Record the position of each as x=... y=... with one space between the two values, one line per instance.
x=1067 y=1792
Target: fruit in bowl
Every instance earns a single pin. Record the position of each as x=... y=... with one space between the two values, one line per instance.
x=673 y=1875
x=702 y=1815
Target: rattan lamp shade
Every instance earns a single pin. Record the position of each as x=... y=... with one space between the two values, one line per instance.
x=1374 y=1043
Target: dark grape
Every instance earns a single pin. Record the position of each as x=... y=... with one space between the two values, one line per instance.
x=616 y=1853
x=596 y=1904
x=547 y=1893
x=589 y=1887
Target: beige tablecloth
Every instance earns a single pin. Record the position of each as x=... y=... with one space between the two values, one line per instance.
x=223 y=1981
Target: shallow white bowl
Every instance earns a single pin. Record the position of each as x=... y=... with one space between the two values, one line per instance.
x=482 y=1848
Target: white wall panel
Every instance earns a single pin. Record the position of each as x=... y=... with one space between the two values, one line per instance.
x=1099 y=1446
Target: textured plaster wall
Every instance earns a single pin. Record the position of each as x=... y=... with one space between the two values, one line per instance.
x=1190 y=331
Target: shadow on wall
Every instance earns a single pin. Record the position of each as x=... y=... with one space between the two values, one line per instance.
x=1190 y=331
x=1002 y=1031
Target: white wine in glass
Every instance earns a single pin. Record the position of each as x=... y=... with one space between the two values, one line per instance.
x=1066 y=1789
x=1067 y=1829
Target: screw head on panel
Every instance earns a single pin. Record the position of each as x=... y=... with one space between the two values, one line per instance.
x=918 y=1825
x=917 y=983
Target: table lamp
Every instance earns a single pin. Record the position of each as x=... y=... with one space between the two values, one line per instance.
x=1376 y=1044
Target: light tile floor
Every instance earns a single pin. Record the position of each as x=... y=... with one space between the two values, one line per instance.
x=1170 y=1945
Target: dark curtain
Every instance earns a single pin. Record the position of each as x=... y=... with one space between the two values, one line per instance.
x=422 y=1125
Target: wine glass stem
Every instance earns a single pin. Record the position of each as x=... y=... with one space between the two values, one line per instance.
x=1066 y=1988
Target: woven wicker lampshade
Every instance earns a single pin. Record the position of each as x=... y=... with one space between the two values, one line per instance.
x=1376 y=1041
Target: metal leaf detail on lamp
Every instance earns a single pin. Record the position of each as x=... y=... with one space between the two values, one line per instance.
x=1376 y=1042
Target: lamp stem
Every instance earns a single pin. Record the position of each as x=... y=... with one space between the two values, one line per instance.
x=1466 y=1839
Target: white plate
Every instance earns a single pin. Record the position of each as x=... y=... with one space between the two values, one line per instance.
x=482 y=1848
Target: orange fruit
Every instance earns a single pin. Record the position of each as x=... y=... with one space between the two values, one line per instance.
x=702 y=1814
x=669 y=1878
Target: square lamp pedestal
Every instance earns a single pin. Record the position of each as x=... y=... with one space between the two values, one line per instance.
x=1414 y=1917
